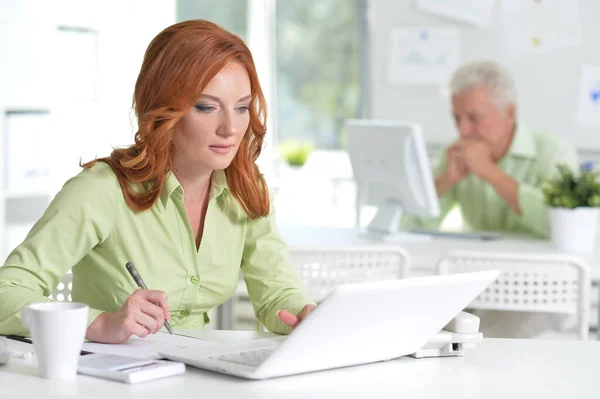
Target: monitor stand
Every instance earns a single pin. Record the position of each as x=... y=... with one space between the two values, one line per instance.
x=387 y=218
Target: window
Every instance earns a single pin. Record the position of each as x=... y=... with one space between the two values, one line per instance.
x=317 y=69
x=229 y=14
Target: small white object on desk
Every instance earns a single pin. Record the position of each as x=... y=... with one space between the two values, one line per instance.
x=460 y=333
x=464 y=323
x=127 y=369
x=4 y=353
x=21 y=355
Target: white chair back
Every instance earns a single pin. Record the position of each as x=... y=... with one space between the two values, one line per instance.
x=62 y=293
x=552 y=283
x=323 y=269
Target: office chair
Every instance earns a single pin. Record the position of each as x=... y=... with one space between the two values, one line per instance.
x=548 y=283
x=62 y=293
x=323 y=269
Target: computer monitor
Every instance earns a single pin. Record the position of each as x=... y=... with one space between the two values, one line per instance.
x=391 y=168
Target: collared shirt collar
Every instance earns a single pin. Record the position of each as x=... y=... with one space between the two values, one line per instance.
x=172 y=185
x=218 y=183
x=523 y=142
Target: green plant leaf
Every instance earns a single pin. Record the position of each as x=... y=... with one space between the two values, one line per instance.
x=566 y=189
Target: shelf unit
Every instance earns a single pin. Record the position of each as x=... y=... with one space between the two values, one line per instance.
x=19 y=209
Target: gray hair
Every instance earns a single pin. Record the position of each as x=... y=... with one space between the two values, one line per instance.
x=488 y=74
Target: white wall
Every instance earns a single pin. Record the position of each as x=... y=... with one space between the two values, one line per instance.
x=37 y=65
x=547 y=84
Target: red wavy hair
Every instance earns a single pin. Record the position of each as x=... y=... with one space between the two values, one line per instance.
x=178 y=64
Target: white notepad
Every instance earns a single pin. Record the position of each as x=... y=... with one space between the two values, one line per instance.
x=126 y=369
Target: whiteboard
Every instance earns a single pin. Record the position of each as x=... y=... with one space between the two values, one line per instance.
x=547 y=84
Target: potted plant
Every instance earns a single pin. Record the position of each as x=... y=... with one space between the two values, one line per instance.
x=295 y=153
x=574 y=200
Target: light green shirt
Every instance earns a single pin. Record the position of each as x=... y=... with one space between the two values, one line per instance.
x=88 y=227
x=532 y=158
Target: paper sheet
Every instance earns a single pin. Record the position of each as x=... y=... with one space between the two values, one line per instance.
x=229 y=337
x=148 y=347
x=473 y=12
x=422 y=55
x=537 y=26
x=588 y=113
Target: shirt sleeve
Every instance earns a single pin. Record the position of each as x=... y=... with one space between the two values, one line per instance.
x=273 y=284
x=535 y=215
x=447 y=201
x=80 y=217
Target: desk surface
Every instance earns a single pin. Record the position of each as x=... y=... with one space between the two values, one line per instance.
x=424 y=251
x=495 y=368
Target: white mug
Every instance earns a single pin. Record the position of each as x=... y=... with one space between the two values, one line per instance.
x=57 y=331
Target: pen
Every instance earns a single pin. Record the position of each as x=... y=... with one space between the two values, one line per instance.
x=138 y=280
x=29 y=341
x=19 y=338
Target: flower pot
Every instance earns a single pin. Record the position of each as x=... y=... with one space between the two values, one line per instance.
x=574 y=230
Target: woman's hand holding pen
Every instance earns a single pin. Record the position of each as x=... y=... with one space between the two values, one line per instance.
x=143 y=313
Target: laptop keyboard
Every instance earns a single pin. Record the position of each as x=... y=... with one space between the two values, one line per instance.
x=252 y=358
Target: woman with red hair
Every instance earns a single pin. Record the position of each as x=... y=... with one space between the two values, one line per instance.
x=186 y=204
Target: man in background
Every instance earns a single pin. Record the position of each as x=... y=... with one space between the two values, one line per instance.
x=496 y=168
x=494 y=173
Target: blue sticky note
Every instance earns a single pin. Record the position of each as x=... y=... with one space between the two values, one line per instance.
x=595 y=95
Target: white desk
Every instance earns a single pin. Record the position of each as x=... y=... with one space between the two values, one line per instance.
x=495 y=368
x=424 y=251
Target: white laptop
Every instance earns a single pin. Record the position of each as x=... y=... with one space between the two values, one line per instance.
x=356 y=324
